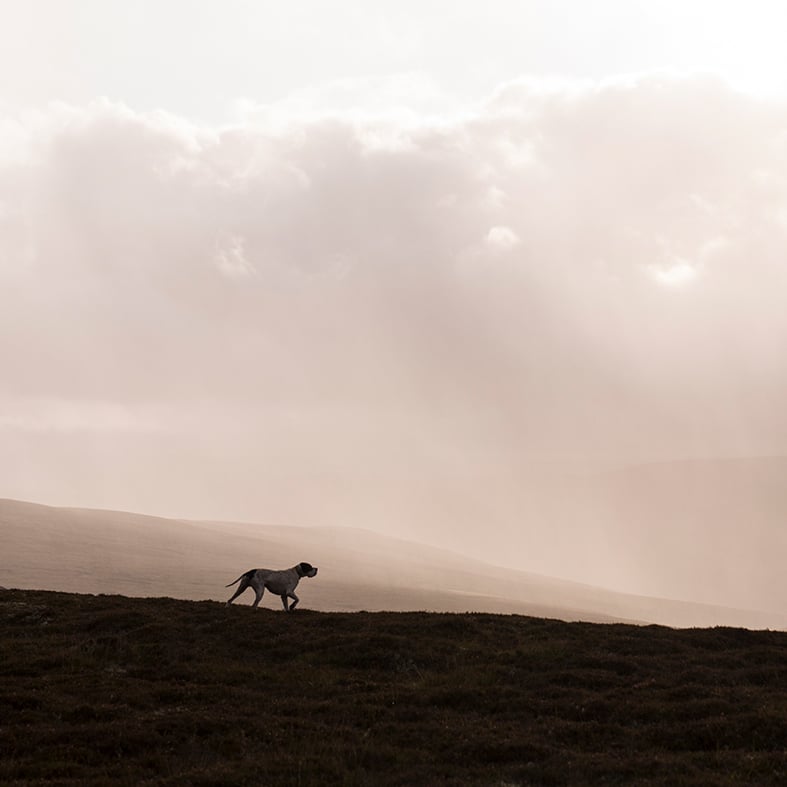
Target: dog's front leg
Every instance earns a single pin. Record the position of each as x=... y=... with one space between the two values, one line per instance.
x=284 y=602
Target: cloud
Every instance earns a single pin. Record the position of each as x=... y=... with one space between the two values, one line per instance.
x=140 y=243
x=231 y=259
x=502 y=238
x=677 y=274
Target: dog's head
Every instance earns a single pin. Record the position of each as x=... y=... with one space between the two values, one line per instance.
x=306 y=570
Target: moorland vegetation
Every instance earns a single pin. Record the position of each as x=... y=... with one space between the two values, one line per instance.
x=98 y=690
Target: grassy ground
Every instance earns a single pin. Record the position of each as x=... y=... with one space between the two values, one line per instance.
x=112 y=690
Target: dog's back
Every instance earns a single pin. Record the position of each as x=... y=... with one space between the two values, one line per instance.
x=247 y=576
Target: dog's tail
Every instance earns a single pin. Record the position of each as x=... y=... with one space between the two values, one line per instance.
x=246 y=574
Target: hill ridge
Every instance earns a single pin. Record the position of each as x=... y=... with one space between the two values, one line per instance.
x=96 y=550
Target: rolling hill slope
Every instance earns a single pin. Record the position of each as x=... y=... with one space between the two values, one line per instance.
x=94 y=551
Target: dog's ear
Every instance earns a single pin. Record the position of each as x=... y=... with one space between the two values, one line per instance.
x=305 y=567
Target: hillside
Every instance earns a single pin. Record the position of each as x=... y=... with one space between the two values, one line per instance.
x=105 y=689
x=93 y=551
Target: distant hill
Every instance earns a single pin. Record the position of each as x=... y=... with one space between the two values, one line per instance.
x=95 y=551
x=705 y=530
x=712 y=530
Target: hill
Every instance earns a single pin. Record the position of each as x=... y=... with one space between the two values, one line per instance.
x=98 y=551
x=99 y=690
x=94 y=551
x=706 y=530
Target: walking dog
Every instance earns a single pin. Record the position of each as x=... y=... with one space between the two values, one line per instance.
x=282 y=583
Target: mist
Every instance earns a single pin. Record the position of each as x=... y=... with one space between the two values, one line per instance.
x=465 y=329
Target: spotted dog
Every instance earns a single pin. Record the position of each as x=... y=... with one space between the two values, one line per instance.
x=282 y=583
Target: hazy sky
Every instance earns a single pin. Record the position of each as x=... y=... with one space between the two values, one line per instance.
x=333 y=263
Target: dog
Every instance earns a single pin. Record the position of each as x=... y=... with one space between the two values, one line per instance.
x=282 y=583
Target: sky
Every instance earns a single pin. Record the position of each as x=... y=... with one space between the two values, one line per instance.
x=389 y=265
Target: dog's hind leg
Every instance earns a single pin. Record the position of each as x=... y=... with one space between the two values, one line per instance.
x=258 y=592
x=243 y=585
